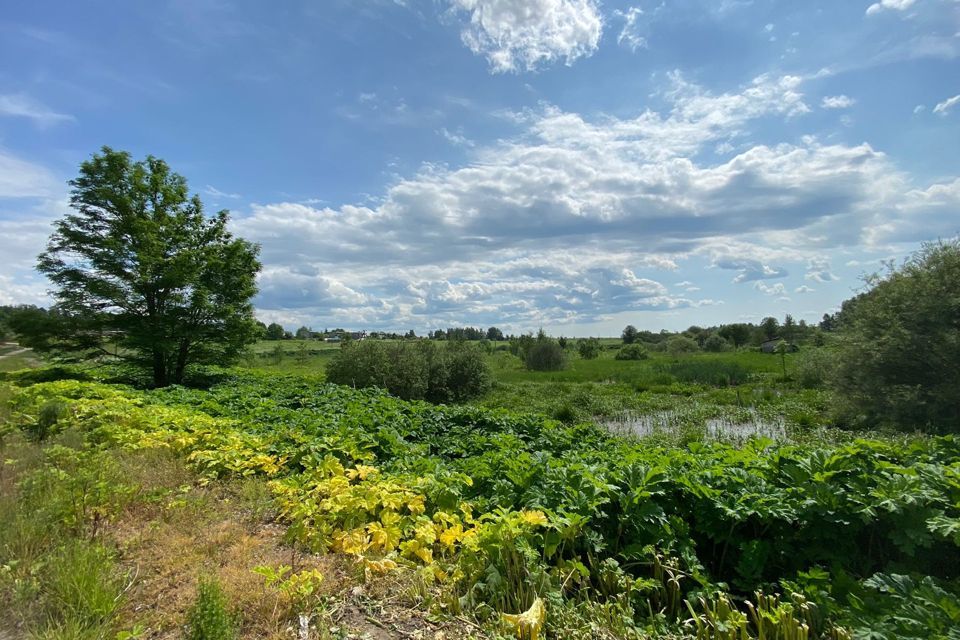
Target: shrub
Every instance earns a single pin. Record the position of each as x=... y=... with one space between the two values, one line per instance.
x=588 y=348
x=545 y=355
x=632 y=352
x=209 y=618
x=814 y=366
x=677 y=345
x=715 y=344
x=453 y=371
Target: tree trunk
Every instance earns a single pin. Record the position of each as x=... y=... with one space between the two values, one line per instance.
x=182 y=353
x=159 y=369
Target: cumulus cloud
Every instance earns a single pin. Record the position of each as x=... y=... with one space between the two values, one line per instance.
x=570 y=220
x=23 y=106
x=837 y=102
x=522 y=35
x=889 y=5
x=944 y=107
x=575 y=218
x=818 y=270
x=804 y=289
x=777 y=289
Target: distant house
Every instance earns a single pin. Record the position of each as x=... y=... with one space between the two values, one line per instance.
x=770 y=346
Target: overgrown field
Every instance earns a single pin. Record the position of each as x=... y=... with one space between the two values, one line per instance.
x=592 y=535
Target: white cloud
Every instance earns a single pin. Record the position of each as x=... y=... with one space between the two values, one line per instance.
x=564 y=222
x=837 y=102
x=818 y=270
x=804 y=289
x=22 y=106
x=23 y=290
x=212 y=191
x=919 y=109
x=456 y=138
x=777 y=289
x=22 y=179
x=630 y=35
x=522 y=35
x=749 y=269
x=944 y=107
x=889 y=5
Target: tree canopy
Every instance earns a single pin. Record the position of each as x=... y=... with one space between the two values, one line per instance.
x=141 y=273
x=899 y=352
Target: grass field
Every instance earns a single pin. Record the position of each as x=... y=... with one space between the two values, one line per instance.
x=681 y=396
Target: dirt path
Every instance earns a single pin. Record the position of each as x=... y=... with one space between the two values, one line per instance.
x=12 y=353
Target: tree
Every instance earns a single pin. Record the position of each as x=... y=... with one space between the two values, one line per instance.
x=304 y=333
x=769 y=328
x=494 y=334
x=715 y=343
x=738 y=334
x=275 y=331
x=898 y=348
x=629 y=334
x=139 y=265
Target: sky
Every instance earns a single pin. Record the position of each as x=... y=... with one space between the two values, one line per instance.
x=575 y=165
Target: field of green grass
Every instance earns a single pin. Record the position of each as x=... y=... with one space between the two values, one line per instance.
x=727 y=395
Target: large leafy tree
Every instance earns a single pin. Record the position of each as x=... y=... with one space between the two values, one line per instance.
x=899 y=348
x=140 y=272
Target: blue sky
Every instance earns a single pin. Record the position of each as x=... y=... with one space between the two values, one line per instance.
x=571 y=164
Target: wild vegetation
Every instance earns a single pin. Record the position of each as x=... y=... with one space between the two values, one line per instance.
x=496 y=511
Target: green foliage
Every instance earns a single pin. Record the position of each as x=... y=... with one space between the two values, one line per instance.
x=81 y=583
x=274 y=332
x=501 y=508
x=711 y=372
x=452 y=372
x=814 y=367
x=588 y=348
x=902 y=607
x=715 y=343
x=630 y=334
x=632 y=352
x=210 y=618
x=545 y=354
x=140 y=267
x=899 y=352
x=679 y=345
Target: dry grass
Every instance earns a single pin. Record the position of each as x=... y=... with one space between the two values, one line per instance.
x=182 y=529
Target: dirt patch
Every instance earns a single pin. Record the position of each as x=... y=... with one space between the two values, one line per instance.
x=181 y=530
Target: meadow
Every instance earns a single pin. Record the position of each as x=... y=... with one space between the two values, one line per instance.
x=614 y=499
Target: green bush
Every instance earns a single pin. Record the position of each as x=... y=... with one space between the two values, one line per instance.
x=814 y=366
x=209 y=618
x=632 y=352
x=677 y=345
x=450 y=372
x=588 y=348
x=545 y=355
x=715 y=344
x=899 y=356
